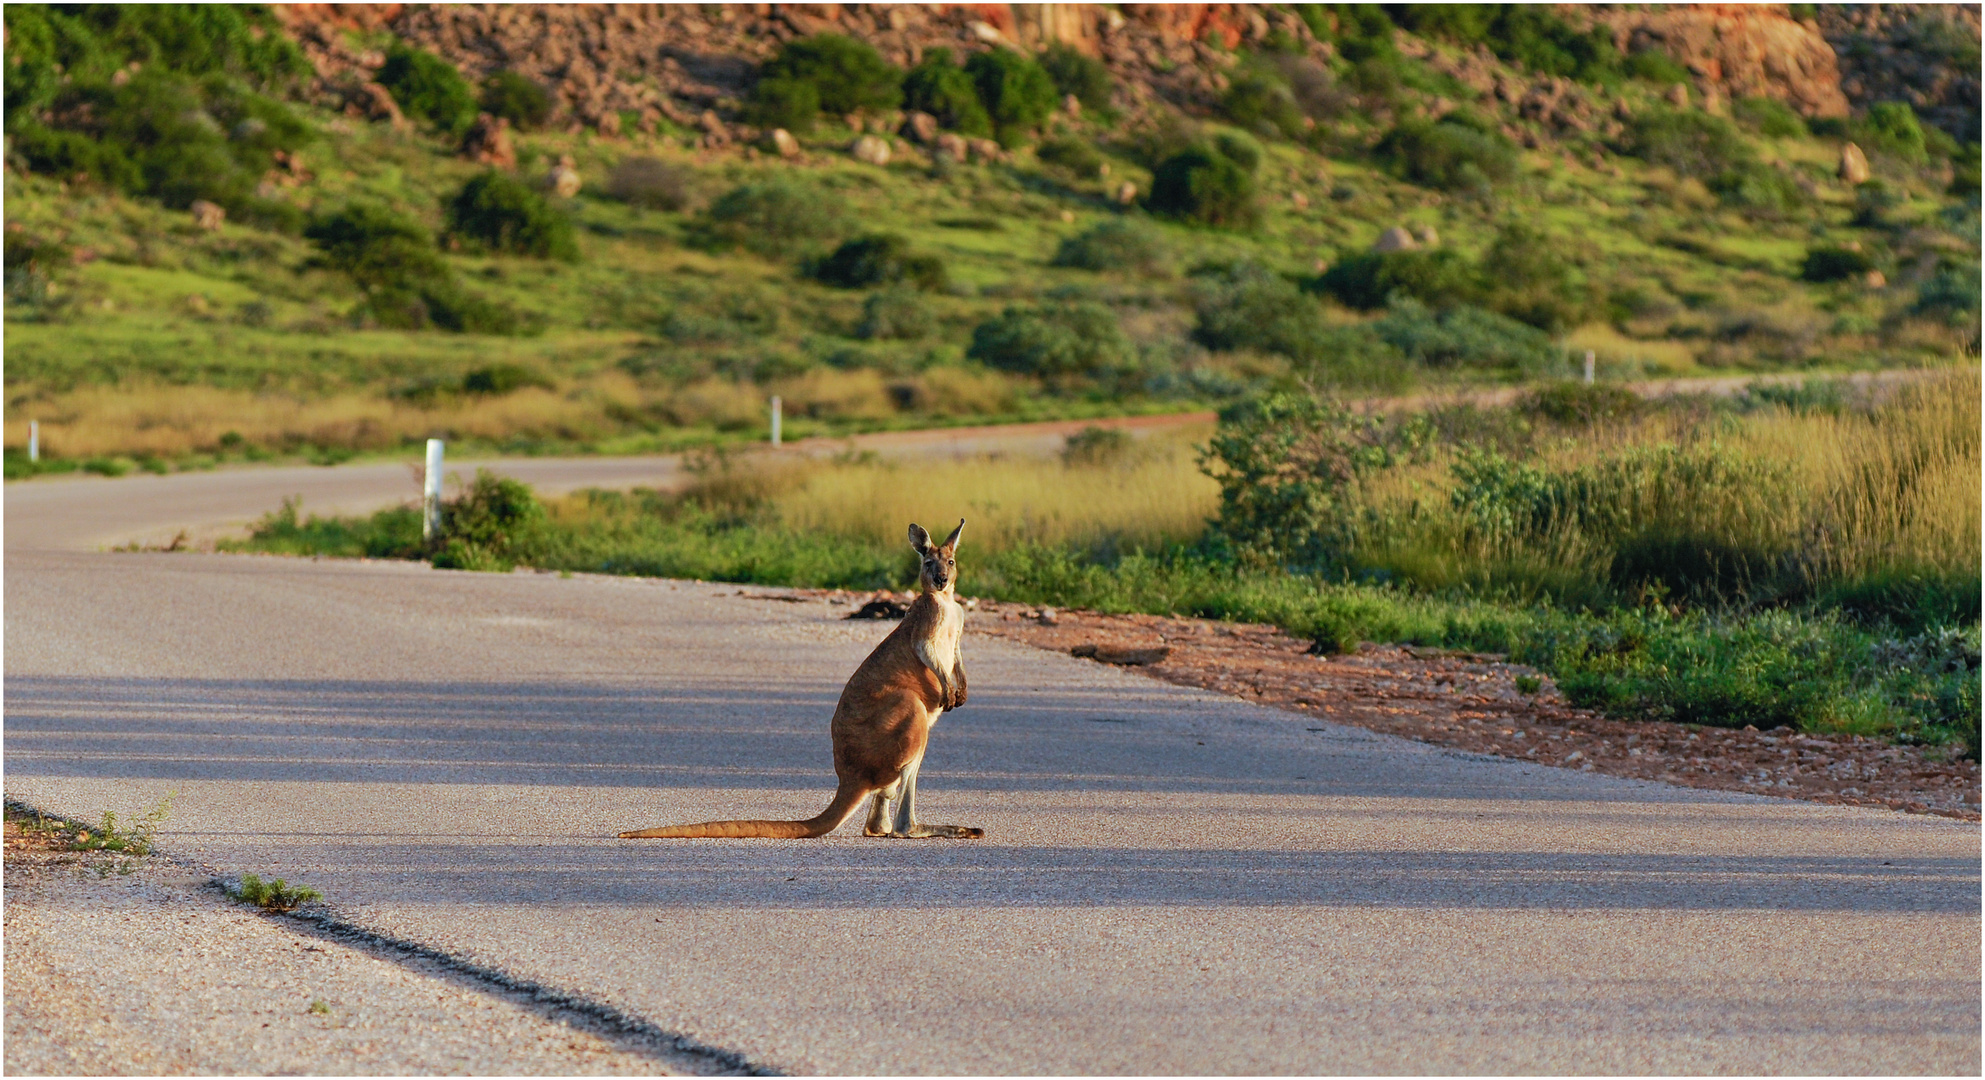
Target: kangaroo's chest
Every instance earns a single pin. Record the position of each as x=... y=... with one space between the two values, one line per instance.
x=938 y=649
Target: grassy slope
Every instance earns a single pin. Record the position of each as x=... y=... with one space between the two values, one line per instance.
x=123 y=357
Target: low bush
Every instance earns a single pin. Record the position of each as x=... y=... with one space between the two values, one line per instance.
x=1529 y=275
x=517 y=98
x=1205 y=186
x=793 y=104
x=650 y=183
x=497 y=380
x=1465 y=336
x=846 y=75
x=1951 y=294
x=1657 y=67
x=1439 y=278
x=1689 y=141
x=1078 y=74
x=898 y=314
x=480 y=527
x=1261 y=101
x=1834 y=264
x=1075 y=156
x=1018 y=93
x=428 y=88
x=771 y=217
x=1060 y=343
x=1316 y=91
x=1758 y=188
x=1531 y=35
x=1119 y=245
x=1891 y=128
x=938 y=86
x=1094 y=446
x=1452 y=154
x=1581 y=404
x=502 y=213
x=1248 y=306
x=1769 y=117
x=880 y=259
x=393 y=261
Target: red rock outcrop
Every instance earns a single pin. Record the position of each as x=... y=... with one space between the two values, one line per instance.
x=1738 y=50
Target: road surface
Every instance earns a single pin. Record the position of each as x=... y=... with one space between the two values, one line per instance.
x=1172 y=881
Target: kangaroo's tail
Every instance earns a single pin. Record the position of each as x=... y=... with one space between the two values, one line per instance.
x=846 y=799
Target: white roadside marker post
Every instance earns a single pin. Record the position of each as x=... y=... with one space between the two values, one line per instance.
x=1591 y=364
x=430 y=519
x=775 y=419
x=34 y=440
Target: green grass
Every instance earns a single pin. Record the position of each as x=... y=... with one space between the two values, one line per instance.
x=276 y=896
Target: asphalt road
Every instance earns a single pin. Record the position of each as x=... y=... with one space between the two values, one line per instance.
x=1172 y=881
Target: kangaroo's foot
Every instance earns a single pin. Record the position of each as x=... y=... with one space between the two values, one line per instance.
x=925 y=832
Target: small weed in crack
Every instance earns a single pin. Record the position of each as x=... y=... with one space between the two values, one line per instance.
x=277 y=895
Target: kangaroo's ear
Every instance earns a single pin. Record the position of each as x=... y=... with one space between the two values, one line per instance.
x=951 y=542
x=919 y=539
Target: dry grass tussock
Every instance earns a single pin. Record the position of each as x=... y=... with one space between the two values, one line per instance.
x=1151 y=495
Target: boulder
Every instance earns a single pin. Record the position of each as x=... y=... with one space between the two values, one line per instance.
x=986 y=150
x=1071 y=105
x=715 y=134
x=781 y=142
x=1678 y=96
x=871 y=149
x=375 y=102
x=488 y=142
x=1126 y=193
x=953 y=146
x=1874 y=279
x=207 y=215
x=1853 y=164
x=1426 y=235
x=563 y=179
x=1395 y=239
x=920 y=126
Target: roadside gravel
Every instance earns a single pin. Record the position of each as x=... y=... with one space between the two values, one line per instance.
x=140 y=966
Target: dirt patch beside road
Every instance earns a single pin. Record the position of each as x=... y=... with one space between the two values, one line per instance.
x=1471 y=702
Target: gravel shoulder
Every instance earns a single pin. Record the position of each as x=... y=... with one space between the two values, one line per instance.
x=119 y=965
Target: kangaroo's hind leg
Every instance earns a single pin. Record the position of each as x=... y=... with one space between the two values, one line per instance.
x=905 y=824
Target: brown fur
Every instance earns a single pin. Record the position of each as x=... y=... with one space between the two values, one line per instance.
x=882 y=723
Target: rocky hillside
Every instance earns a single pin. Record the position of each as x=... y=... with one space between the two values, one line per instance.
x=677 y=62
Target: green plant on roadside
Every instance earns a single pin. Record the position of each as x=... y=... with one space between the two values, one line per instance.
x=274 y=896
x=135 y=838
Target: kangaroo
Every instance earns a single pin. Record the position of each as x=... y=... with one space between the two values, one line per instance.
x=883 y=721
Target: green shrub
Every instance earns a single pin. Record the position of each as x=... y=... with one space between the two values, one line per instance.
x=1452 y=154
x=1251 y=307
x=768 y=218
x=406 y=285
x=517 y=98
x=1205 y=186
x=1528 y=34
x=1076 y=156
x=1689 y=141
x=1017 y=92
x=943 y=89
x=1873 y=200
x=497 y=380
x=1834 y=264
x=1657 y=67
x=650 y=183
x=1055 y=342
x=1950 y=294
x=896 y=314
x=1094 y=446
x=1117 y=245
x=1075 y=73
x=1891 y=128
x=847 y=76
x=503 y=213
x=277 y=895
x=1770 y=117
x=1581 y=404
x=880 y=259
x=1757 y=187
x=1465 y=336
x=480 y=527
x=428 y=88
x=1261 y=101
x=1527 y=276
x=793 y=104
x=1285 y=463
x=1367 y=282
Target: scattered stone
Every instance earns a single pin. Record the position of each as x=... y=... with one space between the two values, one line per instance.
x=871 y=149
x=781 y=142
x=1853 y=164
x=207 y=215
x=921 y=127
x=1426 y=235
x=986 y=150
x=715 y=134
x=1047 y=616
x=1299 y=200
x=488 y=142
x=1395 y=239
x=1875 y=280
x=1126 y=193
x=953 y=146
x=375 y=102
x=563 y=180
x=1678 y=96
x=1071 y=105
x=880 y=609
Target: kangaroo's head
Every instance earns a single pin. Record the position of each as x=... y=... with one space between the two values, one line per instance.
x=940 y=569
